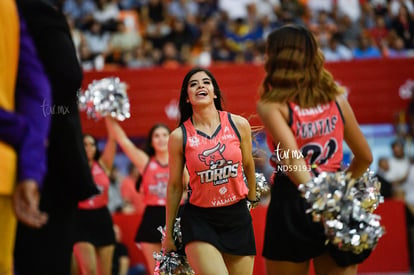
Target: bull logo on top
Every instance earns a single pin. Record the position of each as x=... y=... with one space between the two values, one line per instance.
x=218 y=169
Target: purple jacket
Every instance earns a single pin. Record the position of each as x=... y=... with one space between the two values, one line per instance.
x=27 y=128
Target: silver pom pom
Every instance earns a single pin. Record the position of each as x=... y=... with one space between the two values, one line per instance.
x=105 y=97
x=172 y=263
x=345 y=207
x=262 y=188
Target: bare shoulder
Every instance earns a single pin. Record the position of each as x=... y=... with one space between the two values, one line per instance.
x=176 y=136
x=265 y=107
x=341 y=99
x=343 y=104
x=240 y=121
x=175 y=142
x=242 y=125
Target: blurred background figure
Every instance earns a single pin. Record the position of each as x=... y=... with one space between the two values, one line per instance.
x=68 y=178
x=152 y=164
x=335 y=50
x=398 y=169
x=94 y=237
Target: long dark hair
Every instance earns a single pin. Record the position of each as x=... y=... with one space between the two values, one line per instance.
x=149 y=148
x=186 y=110
x=97 y=152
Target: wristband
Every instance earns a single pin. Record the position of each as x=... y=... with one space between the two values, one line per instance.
x=254 y=201
x=252 y=204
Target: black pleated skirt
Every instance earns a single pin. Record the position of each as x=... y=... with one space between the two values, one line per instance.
x=95 y=226
x=228 y=228
x=154 y=217
x=292 y=235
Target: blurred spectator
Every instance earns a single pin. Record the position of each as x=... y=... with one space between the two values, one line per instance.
x=257 y=54
x=156 y=32
x=88 y=60
x=106 y=14
x=268 y=9
x=365 y=49
x=130 y=4
x=294 y=11
x=209 y=31
x=203 y=57
x=221 y=52
x=170 y=56
x=138 y=58
x=335 y=50
x=206 y=8
x=400 y=125
x=240 y=36
x=155 y=26
x=350 y=31
x=380 y=6
x=183 y=10
x=395 y=6
x=386 y=186
x=403 y=24
x=153 y=11
x=368 y=16
x=350 y=8
x=97 y=39
x=323 y=27
x=122 y=42
x=180 y=34
x=399 y=167
x=123 y=39
x=236 y=9
x=80 y=11
x=265 y=25
x=185 y=54
x=316 y=6
x=396 y=48
x=379 y=32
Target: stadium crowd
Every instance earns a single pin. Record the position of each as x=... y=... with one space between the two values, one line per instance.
x=171 y=33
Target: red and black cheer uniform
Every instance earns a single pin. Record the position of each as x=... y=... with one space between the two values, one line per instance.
x=154 y=188
x=290 y=233
x=94 y=219
x=216 y=211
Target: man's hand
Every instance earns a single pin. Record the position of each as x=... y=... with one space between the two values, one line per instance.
x=26 y=204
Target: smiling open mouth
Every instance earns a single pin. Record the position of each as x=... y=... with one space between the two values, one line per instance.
x=202 y=93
